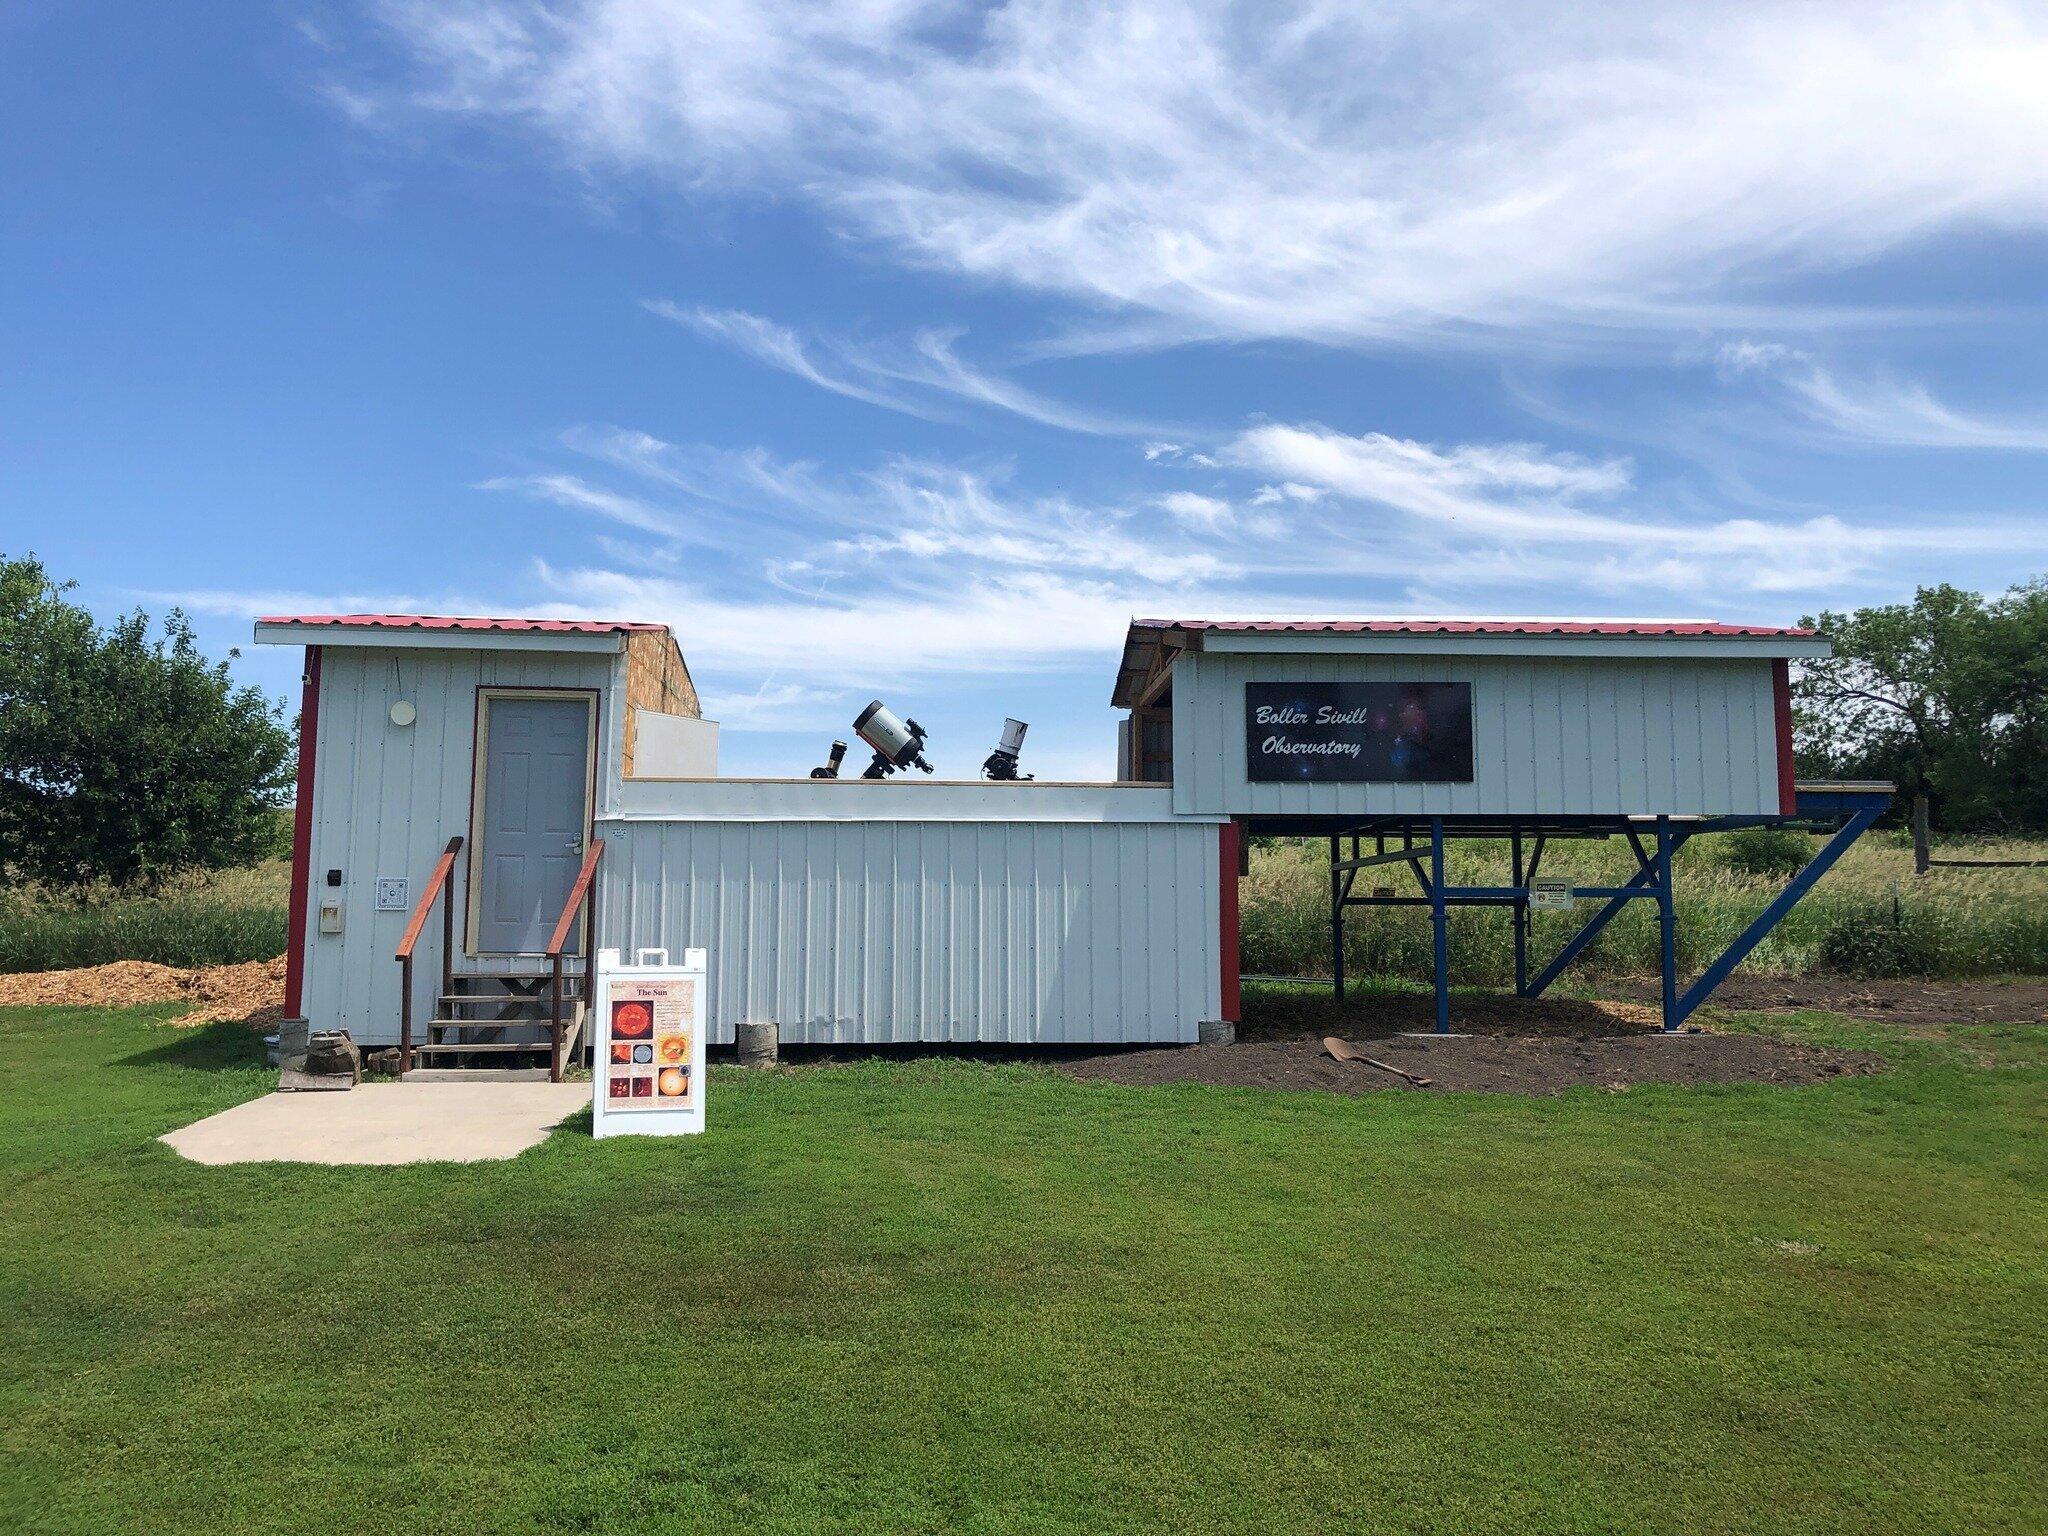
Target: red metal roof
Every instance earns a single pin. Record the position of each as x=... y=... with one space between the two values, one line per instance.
x=434 y=621
x=1479 y=627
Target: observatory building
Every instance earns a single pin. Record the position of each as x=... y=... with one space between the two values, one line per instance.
x=485 y=803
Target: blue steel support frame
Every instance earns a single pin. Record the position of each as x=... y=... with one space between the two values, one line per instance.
x=1718 y=970
x=1639 y=887
x=1439 y=922
x=1521 y=914
x=1667 y=925
x=1849 y=811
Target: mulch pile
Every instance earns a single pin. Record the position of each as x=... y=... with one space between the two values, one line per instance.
x=251 y=993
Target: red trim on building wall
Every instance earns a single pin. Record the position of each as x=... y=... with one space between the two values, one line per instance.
x=302 y=840
x=1226 y=865
x=1781 y=694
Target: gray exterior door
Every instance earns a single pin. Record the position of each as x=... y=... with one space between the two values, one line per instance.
x=533 y=824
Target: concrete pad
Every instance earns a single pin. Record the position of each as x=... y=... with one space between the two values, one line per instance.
x=384 y=1123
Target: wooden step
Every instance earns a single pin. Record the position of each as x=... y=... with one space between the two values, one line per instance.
x=492 y=1047
x=569 y=978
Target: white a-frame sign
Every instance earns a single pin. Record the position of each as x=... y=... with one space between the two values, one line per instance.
x=650 y=1045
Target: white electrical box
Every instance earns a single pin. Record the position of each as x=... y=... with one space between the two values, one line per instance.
x=649 y=1038
x=330 y=917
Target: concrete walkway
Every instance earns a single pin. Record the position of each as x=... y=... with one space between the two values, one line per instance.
x=385 y=1123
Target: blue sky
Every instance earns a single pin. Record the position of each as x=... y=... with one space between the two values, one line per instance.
x=910 y=348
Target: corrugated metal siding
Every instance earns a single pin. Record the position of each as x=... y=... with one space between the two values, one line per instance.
x=977 y=800
x=1549 y=736
x=387 y=799
x=897 y=932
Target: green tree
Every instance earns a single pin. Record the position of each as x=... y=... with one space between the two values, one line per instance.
x=124 y=756
x=1946 y=695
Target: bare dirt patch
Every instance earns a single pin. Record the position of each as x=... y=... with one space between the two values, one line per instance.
x=251 y=993
x=1504 y=1045
x=1895 y=1002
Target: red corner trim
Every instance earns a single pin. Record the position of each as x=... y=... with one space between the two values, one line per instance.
x=1781 y=693
x=302 y=840
x=1226 y=866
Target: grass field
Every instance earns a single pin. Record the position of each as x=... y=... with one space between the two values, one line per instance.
x=941 y=1296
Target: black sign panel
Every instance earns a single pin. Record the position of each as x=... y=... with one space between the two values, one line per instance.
x=1358 y=733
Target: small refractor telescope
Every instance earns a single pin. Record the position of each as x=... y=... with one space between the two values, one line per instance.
x=898 y=743
x=1002 y=763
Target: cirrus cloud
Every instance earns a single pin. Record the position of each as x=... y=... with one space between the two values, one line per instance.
x=1309 y=169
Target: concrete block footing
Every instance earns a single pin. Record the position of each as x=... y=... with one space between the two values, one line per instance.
x=757 y=1044
x=1215 y=1032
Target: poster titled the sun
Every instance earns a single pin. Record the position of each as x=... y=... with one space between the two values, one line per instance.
x=651 y=1063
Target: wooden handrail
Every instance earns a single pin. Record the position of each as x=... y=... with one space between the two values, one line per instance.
x=577 y=891
x=442 y=879
x=580 y=890
x=443 y=868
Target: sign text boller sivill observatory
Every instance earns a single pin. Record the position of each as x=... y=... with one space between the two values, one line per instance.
x=1358 y=733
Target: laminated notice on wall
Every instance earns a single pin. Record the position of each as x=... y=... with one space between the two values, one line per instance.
x=650 y=1046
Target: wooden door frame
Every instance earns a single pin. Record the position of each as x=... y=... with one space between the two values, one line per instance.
x=479 y=764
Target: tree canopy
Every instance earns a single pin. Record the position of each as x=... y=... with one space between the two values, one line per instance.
x=1946 y=695
x=125 y=755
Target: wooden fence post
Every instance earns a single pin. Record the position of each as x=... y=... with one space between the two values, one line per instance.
x=1921 y=855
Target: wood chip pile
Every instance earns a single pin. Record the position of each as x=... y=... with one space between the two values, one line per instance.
x=251 y=993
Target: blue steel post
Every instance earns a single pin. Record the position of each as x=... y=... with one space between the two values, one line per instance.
x=1667 y=925
x=1521 y=918
x=1336 y=924
x=1439 y=916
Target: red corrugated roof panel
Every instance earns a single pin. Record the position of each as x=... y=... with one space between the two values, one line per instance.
x=438 y=621
x=1479 y=627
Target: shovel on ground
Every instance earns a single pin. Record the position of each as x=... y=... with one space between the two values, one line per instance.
x=1344 y=1050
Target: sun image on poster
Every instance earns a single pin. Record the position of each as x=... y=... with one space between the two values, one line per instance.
x=650 y=1062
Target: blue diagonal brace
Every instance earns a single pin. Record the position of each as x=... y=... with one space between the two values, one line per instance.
x=1586 y=935
x=1772 y=915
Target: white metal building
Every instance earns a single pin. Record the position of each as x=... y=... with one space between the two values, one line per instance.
x=486 y=796
x=457 y=775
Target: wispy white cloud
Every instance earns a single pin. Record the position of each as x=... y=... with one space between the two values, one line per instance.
x=1518 y=515
x=1874 y=408
x=927 y=361
x=1514 y=490
x=1199 y=510
x=772 y=706
x=579 y=495
x=974 y=626
x=777 y=346
x=1322 y=170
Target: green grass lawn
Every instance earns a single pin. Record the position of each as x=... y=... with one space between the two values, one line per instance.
x=905 y=1297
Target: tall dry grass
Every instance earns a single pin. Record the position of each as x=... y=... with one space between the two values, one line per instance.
x=1869 y=916
x=214 y=919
